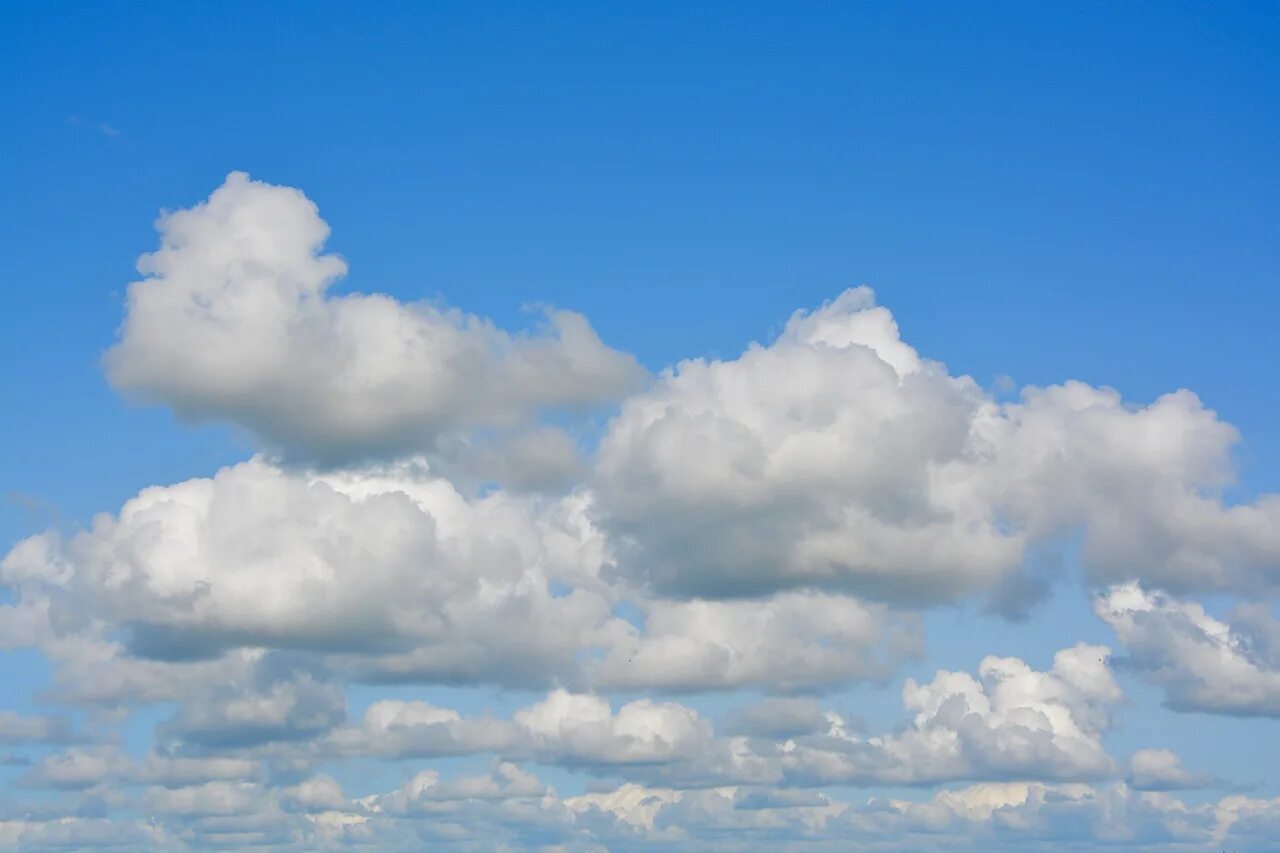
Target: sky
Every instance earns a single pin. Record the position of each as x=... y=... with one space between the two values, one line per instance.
x=572 y=426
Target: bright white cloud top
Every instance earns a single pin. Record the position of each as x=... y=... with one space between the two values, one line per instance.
x=234 y=322
x=679 y=616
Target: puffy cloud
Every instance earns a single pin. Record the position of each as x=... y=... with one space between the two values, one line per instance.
x=33 y=728
x=77 y=768
x=506 y=781
x=89 y=670
x=209 y=799
x=1203 y=663
x=282 y=702
x=1020 y=815
x=837 y=457
x=507 y=806
x=317 y=794
x=788 y=641
x=575 y=730
x=631 y=803
x=582 y=729
x=803 y=463
x=1002 y=816
x=1010 y=722
x=771 y=522
x=234 y=322
x=392 y=574
x=1162 y=770
x=405 y=729
x=396 y=567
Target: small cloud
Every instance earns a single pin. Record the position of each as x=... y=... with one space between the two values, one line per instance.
x=108 y=130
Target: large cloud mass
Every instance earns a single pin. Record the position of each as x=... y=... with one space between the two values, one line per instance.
x=425 y=600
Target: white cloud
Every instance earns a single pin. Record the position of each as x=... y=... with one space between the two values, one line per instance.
x=280 y=701
x=392 y=574
x=1203 y=663
x=572 y=728
x=317 y=794
x=771 y=523
x=208 y=799
x=1010 y=722
x=78 y=767
x=234 y=323
x=506 y=781
x=788 y=641
x=837 y=457
x=405 y=729
x=33 y=728
x=395 y=568
x=1162 y=770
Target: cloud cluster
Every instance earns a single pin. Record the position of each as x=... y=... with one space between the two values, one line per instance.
x=392 y=574
x=773 y=528
x=1009 y=722
x=509 y=807
x=837 y=457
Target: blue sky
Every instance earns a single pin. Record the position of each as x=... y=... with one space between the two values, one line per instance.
x=1036 y=194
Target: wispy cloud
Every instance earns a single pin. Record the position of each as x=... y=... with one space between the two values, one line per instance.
x=106 y=129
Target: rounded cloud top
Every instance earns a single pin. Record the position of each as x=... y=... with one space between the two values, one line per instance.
x=233 y=323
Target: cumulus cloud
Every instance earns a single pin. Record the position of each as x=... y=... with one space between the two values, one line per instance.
x=563 y=728
x=1162 y=770
x=1203 y=663
x=788 y=641
x=18 y=728
x=397 y=566
x=414 y=729
x=282 y=701
x=769 y=526
x=573 y=729
x=838 y=457
x=393 y=574
x=509 y=805
x=1009 y=722
x=234 y=322
x=76 y=768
